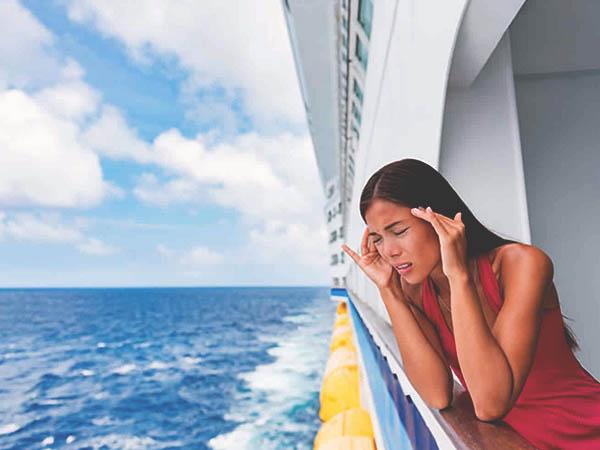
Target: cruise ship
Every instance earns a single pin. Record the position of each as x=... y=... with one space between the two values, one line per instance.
x=503 y=98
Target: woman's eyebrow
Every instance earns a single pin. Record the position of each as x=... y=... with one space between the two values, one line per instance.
x=372 y=233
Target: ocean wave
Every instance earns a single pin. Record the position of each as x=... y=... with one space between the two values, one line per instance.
x=127 y=442
x=278 y=388
x=9 y=428
x=125 y=369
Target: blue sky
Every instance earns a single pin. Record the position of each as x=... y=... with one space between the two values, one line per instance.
x=151 y=147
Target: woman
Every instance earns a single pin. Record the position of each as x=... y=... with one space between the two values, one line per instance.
x=459 y=296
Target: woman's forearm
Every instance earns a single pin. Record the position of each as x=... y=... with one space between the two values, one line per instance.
x=422 y=364
x=483 y=363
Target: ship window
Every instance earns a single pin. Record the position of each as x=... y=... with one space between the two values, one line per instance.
x=356 y=112
x=333 y=236
x=342 y=257
x=334 y=259
x=362 y=53
x=365 y=15
x=358 y=91
x=340 y=207
x=341 y=233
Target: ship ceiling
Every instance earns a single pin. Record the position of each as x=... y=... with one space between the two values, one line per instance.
x=556 y=36
x=483 y=25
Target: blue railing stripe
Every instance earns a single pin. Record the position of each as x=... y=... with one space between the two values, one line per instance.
x=401 y=424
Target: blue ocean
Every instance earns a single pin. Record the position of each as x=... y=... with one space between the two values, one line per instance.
x=162 y=368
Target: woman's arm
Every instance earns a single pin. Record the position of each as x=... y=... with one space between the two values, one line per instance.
x=421 y=352
x=495 y=362
x=420 y=349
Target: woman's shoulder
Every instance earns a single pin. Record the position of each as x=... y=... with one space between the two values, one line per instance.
x=504 y=257
x=510 y=257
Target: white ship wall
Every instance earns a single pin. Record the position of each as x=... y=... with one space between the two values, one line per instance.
x=555 y=46
x=315 y=22
x=520 y=153
x=409 y=63
x=481 y=153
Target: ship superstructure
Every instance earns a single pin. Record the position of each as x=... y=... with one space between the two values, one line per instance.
x=503 y=98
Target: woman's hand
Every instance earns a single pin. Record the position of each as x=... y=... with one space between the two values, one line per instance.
x=373 y=265
x=453 y=241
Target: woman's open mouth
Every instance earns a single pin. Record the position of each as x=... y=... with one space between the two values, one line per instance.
x=403 y=268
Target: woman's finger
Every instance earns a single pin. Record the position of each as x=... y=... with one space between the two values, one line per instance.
x=364 y=245
x=355 y=256
x=430 y=217
x=447 y=221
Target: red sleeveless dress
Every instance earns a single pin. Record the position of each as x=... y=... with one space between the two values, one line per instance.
x=559 y=406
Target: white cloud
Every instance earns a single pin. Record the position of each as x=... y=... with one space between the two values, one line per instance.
x=110 y=136
x=239 y=46
x=72 y=100
x=37 y=228
x=272 y=181
x=54 y=127
x=179 y=190
x=24 y=48
x=92 y=246
x=198 y=256
x=42 y=161
x=49 y=228
x=289 y=243
x=43 y=103
x=264 y=177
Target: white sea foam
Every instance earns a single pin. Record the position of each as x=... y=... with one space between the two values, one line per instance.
x=291 y=379
x=125 y=369
x=100 y=345
x=242 y=437
x=49 y=402
x=102 y=421
x=157 y=365
x=87 y=373
x=127 y=442
x=9 y=428
x=302 y=318
x=70 y=439
x=101 y=395
x=48 y=441
x=191 y=361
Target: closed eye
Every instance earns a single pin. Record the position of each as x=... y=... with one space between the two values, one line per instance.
x=396 y=234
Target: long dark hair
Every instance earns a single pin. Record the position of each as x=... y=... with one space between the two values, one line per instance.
x=413 y=183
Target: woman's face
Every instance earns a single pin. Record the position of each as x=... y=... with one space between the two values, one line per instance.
x=401 y=237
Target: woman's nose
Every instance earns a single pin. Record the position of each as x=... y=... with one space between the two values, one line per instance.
x=390 y=249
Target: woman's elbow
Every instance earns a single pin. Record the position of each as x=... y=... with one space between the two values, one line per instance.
x=443 y=404
x=440 y=402
x=490 y=413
